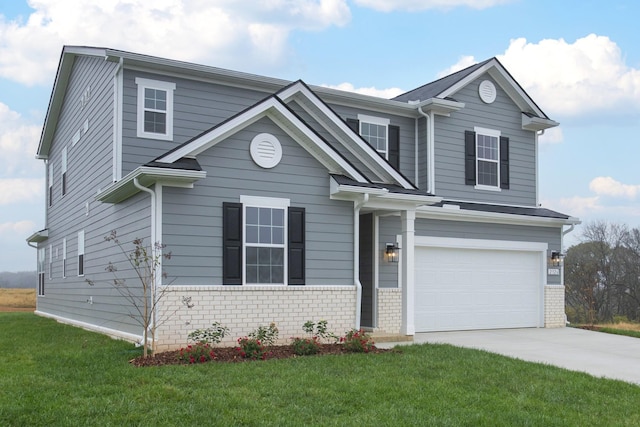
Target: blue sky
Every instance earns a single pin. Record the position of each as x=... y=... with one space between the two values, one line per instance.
x=579 y=60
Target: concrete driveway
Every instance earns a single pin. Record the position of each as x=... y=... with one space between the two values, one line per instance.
x=597 y=353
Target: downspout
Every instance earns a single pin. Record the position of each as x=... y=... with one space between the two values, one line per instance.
x=356 y=255
x=156 y=276
x=117 y=121
x=430 y=149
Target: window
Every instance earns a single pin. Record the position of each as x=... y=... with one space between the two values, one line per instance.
x=487 y=159
x=50 y=262
x=263 y=242
x=50 y=166
x=41 y=258
x=64 y=257
x=63 y=171
x=81 y=253
x=155 y=109
x=380 y=134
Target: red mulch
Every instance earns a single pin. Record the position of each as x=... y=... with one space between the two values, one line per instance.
x=229 y=354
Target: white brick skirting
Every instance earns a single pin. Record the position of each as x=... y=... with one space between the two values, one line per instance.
x=554 y=315
x=244 y=308
x=389 y=310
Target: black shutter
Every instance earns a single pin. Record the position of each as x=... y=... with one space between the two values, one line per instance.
x=504 y=162
x=232 y=243
x=394 y=146
x=296 y=243
x=354 y=125
x=470 y=157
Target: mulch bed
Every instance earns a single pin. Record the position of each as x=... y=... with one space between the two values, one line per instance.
x=230 y=355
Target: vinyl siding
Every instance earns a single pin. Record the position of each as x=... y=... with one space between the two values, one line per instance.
x=502 y=115
x=197 y=107
x=195 y=240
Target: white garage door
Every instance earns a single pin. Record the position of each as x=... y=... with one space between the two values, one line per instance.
x=462 y=289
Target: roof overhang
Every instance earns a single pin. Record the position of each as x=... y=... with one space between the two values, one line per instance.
x=453 y=213
x=148 y=176
x=442 y=107
x=38 y=236
x=379 y=197
x=537 y=123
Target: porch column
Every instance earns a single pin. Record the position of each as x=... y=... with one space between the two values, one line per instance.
x=408 y=270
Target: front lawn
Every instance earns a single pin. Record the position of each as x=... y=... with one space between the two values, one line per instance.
x=53 y=374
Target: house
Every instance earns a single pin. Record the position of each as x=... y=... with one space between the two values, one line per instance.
x=284 y=202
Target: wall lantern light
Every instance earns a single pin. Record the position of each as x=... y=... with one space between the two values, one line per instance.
x=392 y=252
x=556 y=258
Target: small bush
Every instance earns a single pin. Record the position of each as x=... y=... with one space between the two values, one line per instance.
x=357 y=341
x=251 y=348
x=305 y=346
x=210 y=335
x=268 y=335
x=198 y=353
x=319 y=330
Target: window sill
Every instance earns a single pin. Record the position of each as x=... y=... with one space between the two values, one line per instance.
x=487 y=188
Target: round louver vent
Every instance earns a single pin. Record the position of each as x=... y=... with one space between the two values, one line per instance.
x=487 y=92
x=266 y=150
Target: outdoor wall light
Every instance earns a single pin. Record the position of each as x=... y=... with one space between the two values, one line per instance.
x=392 y=252
x=556 y=258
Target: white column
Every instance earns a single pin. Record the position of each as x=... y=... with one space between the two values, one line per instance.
x=408 y=271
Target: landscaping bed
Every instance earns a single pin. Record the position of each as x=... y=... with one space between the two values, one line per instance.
x=230 y=354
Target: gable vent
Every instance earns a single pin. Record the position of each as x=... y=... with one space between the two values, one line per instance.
x=487 y=92
x=266 y=150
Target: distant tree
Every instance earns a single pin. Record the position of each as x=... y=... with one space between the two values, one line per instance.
x=602 y=274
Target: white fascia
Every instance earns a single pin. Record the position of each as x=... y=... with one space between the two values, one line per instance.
x=432 y=212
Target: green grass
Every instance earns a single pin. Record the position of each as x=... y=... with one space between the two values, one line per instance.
x=616 y=331
x=53 y=374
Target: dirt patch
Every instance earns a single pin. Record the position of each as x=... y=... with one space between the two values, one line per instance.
x=4 y=309
x=230 y=355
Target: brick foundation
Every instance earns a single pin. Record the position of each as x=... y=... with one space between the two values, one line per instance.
x=554 y=315
x=389 y=310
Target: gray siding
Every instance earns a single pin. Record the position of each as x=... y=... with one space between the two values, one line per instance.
x=198 y=106
x=195 y=240
x=89 y=169
x=390 y=227
x=502 y=115
x=407 y=135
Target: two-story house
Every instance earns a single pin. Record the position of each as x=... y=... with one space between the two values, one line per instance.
x=283 y=202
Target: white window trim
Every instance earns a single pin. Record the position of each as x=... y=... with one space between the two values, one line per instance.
x=80 y=252
x=64 y=257
x=50 y=186
x=50 y=262
x=264 y=202
x=380 y=121
x=159 y=85
x=64 y=182
x=496 y=134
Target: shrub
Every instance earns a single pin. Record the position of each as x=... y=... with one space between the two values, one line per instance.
x=319 y=330
x=268 y=335
x=357 y=341
x=305 y=346
x=251 y=348
x=198 y=353
x=210 y=335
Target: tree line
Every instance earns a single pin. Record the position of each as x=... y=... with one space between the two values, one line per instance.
x=602 y=274
x=21 y=279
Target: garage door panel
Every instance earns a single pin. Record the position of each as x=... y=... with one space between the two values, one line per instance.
x=458 y=289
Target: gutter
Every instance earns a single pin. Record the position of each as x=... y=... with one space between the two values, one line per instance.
x=430 y=149
x=356 y=255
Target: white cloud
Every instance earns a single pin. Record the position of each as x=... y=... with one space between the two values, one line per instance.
x=416 y=5
x=576 y=205
x=18 y=144
x=463 y=62
x=372 y=91
x=587 y=76
x=226 y=32
x=17 y=190
x=607 y=186
x=20 y=228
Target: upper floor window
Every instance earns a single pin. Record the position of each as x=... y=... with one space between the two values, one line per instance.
x=50 y=183
x=63 y=171
x=487 y=159
x=155 y=109
x=374 y=131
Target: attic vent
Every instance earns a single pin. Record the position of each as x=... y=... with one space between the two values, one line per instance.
x=487 y=92
x=266 y=150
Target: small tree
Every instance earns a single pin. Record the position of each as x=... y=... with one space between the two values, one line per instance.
x=146 y=261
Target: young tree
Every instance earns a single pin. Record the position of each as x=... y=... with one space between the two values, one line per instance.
x=144 y=296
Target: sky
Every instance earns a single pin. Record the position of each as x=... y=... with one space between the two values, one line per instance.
x=578 y=59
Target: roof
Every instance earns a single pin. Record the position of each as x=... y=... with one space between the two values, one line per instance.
x=511 y=210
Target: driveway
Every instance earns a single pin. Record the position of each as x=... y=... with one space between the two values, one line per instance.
x=597 y=353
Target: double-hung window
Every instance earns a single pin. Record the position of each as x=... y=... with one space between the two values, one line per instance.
x=50 y=183
x=41 y=261
x=487 y=159
x=263 y=242
x=374 y=131
x=64 y=257
x=63 y=171
x=81 y=253
x=155 y=109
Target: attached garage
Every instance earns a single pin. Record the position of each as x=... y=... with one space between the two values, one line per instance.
x=463 y=284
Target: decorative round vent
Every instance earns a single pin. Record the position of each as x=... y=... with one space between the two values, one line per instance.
x=266 y=150
x=487 y=92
